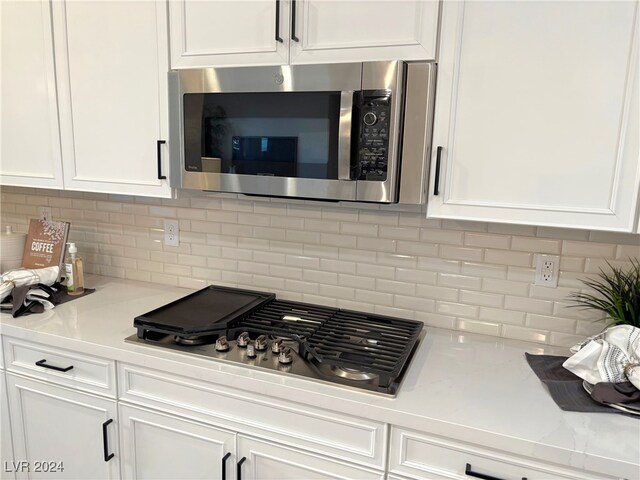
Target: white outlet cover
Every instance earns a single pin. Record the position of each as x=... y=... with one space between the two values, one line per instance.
x=547 y=270
x=172 y=233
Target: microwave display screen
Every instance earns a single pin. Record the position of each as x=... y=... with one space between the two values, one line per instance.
x=282 y=134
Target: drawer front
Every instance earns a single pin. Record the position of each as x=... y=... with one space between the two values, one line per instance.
x=340 y=436
x=425 y=457
x=88 y=373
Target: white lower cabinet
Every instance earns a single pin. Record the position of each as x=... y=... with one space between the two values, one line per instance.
x=6 y=448
x=265 y=460
x=61 y=433
x=422 y=456
x=161 y=446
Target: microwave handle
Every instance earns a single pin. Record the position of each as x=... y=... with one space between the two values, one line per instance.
x=344 y=135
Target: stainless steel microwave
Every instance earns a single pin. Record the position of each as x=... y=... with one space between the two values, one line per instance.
x=345 y=132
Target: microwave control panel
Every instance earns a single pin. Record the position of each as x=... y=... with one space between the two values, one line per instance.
x=373 y=140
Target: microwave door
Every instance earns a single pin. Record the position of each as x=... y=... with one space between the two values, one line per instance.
x=273 y=143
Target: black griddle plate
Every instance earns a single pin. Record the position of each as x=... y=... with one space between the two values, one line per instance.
x=205 y=312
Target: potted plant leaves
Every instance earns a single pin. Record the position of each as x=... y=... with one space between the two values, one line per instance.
x=617 y=294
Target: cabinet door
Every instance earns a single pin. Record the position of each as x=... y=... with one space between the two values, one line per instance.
x=209 y=34
x=64 y=427
x=356 y=30
x=6 y=447
x=261 y=460
x=537 y=114
x=157 y=446
x=111 y=66
x=29 y=134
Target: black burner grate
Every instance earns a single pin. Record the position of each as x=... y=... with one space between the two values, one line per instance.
x=281 y=318
x=365 y=342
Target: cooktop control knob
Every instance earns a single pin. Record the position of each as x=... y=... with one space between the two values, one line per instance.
x=285 y=356
x=276 y=346
x=251 y=351
x=243 y=339
x=261 y=343
x=369 y=118
x=221 y=344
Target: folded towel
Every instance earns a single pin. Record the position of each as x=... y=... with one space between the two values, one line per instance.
x=23 y=276
x=612 y=356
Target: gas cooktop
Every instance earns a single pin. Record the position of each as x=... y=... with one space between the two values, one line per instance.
x=355 y=349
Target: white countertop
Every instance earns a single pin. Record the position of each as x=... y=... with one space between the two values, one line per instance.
x=463 y=386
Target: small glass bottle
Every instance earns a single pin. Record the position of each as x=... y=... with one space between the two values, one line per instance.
x=74 y=271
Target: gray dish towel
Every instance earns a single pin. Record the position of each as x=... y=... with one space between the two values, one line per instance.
x=564 y=387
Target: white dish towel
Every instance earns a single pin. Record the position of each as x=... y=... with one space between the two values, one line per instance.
x=611 y=356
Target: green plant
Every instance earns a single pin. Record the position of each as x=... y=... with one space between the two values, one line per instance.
x=617 y=295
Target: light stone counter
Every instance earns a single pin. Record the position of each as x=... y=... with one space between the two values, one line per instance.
x=467 y=387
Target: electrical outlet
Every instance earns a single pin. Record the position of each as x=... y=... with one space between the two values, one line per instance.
x=547 y=270
x=45 y=213
x=172 y=233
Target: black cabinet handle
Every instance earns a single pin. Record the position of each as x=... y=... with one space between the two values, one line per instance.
x=469 y=472
x=278 y=37
x=160 y=176
x=436 y=182
x=239 y=473
x=105 y=441
x=293 y=21
x=41 y=363
x=224 y=466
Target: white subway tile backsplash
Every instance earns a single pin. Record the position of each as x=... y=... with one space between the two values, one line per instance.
x=480 y=298
x=484 y=270
x=287 y=223
x=359 y=229
x=461 y=253
x=393 y=286
x=505 y=286
x=375 y=271
x=376 y=244
x=335 y=240
x=459 y=281
x=373 y=297
x=486 y=240
x=510 y=258
x=385 y=259
x=536 y=245
x=292 y=273
x=524 y=333
x=485 y=328
x=338 y=266
x=501 y=315
x=457 y=309
x=450 y=237
x=415 y=303
x=588 y=249
x=436 y=320
x=557 y=324
x=396 y=260
x=399 y=233
x=413 y=275
x=624 y=252
x=421 y=249
x=531 y=305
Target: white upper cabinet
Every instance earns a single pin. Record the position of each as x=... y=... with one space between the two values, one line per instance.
x=359 y=30
x=537 y=114
x=111 y=66
x=29 y=135
x=279 y=32
x=229 y=32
